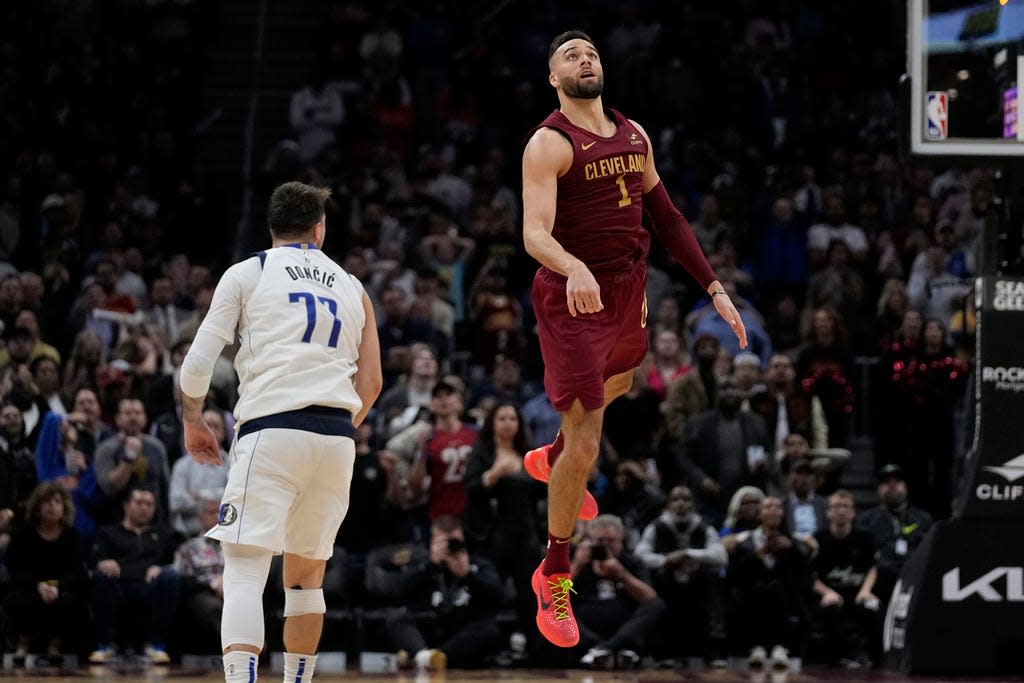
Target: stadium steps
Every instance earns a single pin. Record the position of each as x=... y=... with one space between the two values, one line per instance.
x=859 y=473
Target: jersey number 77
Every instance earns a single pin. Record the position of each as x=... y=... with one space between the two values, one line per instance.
x=311 y=308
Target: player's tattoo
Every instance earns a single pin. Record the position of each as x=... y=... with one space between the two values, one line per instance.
x=192 y=408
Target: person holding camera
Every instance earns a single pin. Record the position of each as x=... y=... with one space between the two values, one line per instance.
x=616 y=606
x=769 y=580
x=65 y=454
x=457 y=597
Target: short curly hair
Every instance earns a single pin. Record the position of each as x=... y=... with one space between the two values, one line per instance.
x=49 y=490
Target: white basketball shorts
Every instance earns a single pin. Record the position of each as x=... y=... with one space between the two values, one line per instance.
x=287 y=491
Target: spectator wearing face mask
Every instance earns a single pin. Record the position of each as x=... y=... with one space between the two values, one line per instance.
x=724 y=449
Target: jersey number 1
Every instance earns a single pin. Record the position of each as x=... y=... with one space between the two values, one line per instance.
x=626 y=200
x=310 y=300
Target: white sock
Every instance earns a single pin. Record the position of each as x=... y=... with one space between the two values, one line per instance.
x=298 y=668
x=240 y=667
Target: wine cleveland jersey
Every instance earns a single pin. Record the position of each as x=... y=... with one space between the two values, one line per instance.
x=599 y=211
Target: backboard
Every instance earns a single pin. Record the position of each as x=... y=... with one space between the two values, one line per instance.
x=966 y=65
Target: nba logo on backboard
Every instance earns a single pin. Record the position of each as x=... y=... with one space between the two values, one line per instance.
x=936 y=115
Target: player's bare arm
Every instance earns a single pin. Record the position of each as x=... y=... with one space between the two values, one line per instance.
x=200 y=441
x=677 y=236
x=369 y=378
x=548 y=155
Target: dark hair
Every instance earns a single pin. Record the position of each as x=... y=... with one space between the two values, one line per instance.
x=563 y=38
x=844 y=494
x=80 y=390
x=486 y=437
x=295 y=208
x=444 y=387
x=33 y=365
x=138 y=488
x=43 y=493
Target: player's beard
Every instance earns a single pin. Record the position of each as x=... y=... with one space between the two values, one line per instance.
x=579 y=90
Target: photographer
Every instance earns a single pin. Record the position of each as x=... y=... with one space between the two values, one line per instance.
x=462 y=592
x=769 y=581
x=615 y=605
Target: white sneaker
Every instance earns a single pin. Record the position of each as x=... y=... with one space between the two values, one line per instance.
x=758 y=657
x=780 y=658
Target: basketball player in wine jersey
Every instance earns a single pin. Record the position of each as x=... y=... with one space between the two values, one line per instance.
x=309 y=370
x=588 y=176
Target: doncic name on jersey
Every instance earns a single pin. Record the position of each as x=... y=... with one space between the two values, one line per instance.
x=307 y=273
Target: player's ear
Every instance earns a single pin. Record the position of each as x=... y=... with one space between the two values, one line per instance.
x=320 y=231
x=553 y=79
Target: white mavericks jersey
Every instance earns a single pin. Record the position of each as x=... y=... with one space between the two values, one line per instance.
x=300 y=319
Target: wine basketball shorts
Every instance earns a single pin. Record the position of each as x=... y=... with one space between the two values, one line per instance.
x=581 y=353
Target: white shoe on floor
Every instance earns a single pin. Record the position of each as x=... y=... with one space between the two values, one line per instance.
x=758 y=658
x=780 y=658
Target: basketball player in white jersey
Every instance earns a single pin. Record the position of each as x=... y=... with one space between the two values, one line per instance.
x=309 y=370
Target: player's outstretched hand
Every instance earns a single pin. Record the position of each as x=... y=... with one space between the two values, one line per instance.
x=582 y=293
x=726 y=309
x=201 y=443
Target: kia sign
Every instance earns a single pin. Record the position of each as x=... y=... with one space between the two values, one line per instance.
x=958 y=606
x=990 y=586
x=993 y=477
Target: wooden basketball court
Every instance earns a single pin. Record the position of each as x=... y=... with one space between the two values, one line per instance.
x=155 y=675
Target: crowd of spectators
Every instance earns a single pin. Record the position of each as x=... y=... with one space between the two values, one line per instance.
x=725 y=528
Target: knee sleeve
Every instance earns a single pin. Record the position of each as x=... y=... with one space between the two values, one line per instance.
x=299 y=601
x=245 y=576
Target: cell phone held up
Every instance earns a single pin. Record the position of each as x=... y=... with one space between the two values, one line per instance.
x=599 y=552
x=456 y=545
